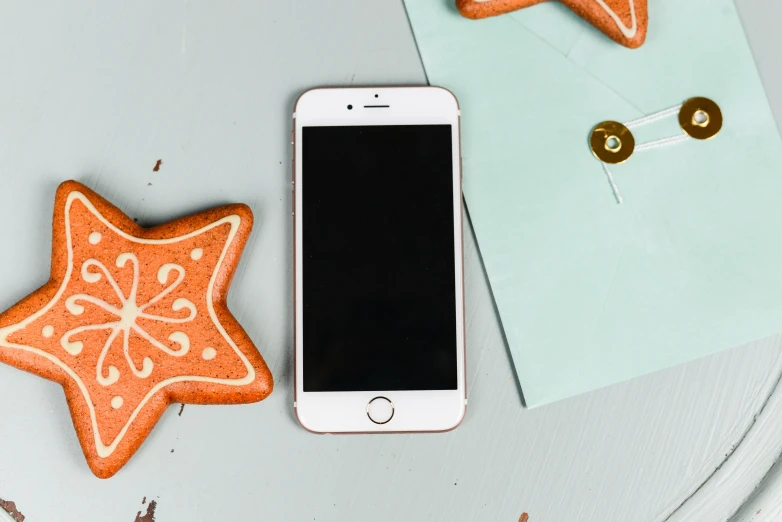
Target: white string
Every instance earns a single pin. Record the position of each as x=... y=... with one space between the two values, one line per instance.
x=613 y=184
x=649 y=145
x=661 y=142
x=653 y=117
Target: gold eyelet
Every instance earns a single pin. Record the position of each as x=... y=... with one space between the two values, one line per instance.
x=612 y=142
x=700 y=118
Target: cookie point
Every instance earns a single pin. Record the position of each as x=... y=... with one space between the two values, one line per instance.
x=244 y=212
x=70 y=185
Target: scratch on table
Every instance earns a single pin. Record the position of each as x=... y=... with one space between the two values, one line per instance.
x=733 y=449
x=11 y=509
x=181 y=410
x=157 y=165
x=150 y=515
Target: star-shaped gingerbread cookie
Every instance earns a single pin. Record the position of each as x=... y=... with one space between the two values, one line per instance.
x=624 y=21
x=134 y=319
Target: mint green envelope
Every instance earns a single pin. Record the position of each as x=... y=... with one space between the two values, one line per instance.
x=590 y=291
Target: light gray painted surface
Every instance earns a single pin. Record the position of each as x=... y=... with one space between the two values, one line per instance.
x=99 y=91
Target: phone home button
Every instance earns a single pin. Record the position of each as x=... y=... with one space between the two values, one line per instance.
x=380 y=410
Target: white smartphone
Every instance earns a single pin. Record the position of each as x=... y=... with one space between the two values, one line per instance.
x=378 y=278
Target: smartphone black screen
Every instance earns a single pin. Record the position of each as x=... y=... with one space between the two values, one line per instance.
x=379 y=281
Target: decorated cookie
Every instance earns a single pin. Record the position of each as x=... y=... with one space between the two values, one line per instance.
x=624 y=21
x=134 y=319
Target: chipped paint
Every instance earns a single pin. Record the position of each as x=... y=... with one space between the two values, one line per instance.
x=11 y=509
x=150 y=514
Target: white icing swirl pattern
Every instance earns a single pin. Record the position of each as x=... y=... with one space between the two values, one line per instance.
x=75 y=304
x=127 y=314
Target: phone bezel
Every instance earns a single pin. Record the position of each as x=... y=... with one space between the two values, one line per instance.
x=414 y=410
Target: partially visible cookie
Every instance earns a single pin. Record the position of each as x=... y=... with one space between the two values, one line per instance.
x=624 y=21
x=134 y=319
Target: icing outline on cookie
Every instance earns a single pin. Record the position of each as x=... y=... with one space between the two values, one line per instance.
x=629 y=32
x=105 y=451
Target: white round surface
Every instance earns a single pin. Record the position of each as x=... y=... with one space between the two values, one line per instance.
x=100 y=92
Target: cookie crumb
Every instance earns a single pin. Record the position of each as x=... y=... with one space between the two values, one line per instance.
x=10 y=508
x=144 y=500
x=181 y=410
x=524 y=517
x=150 y=515
x=157 y=165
